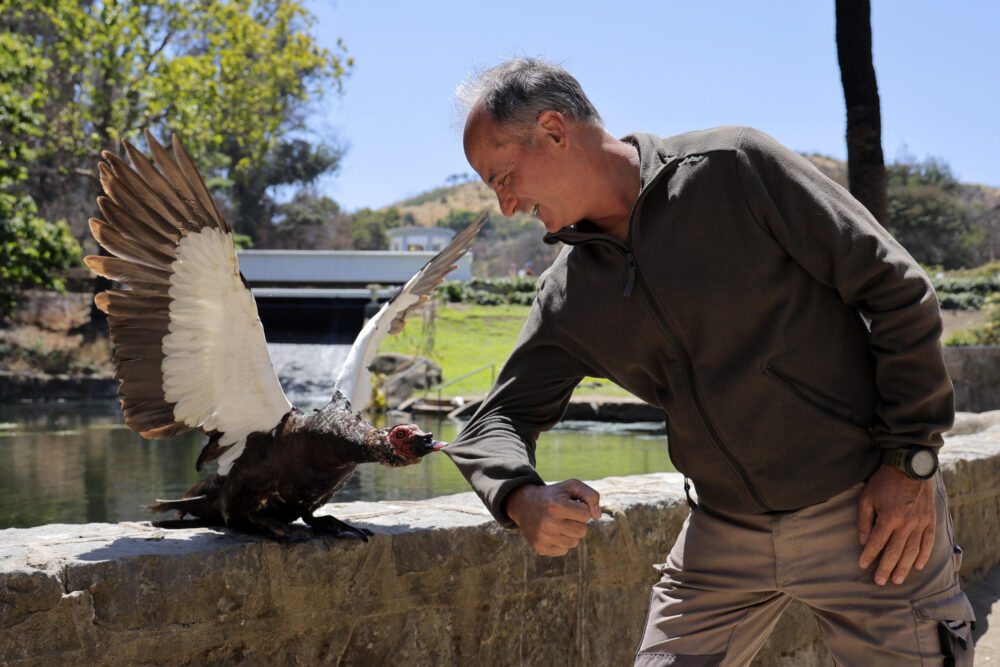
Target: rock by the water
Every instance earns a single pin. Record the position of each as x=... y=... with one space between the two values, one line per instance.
x=406 y=374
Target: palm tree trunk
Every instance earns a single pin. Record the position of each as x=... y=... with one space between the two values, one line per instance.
x=865 y=161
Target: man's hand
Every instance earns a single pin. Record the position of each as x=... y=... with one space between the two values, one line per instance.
x=553 y=518
x=896 y=517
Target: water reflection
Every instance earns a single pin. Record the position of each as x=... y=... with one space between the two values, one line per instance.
x=69 y=463
x=77 y=463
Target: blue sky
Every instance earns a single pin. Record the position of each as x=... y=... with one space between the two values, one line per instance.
x=663 y=67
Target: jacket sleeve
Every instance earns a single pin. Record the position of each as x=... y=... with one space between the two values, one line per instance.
x=839 y=243
x=496 y=449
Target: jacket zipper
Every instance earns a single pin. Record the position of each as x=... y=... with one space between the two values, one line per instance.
x=699 y=404
x=636 y=278
x=630 y=283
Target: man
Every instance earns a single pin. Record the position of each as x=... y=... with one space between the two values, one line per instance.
x=792 y=343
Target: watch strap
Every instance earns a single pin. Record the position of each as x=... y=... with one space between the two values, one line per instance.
x=900 y=457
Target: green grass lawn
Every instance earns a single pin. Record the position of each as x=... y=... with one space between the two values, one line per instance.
x=467 y=337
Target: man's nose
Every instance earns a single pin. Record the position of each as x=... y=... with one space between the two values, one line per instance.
x=508 y=203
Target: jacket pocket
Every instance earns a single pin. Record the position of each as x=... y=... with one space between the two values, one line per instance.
x=944 y=627
x=817 y=399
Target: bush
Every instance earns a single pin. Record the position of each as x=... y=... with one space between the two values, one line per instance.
x=961 y=300
x=966 y=289
x=35 y=252
x=987 y=333
x=982 y=285
x=519 y=290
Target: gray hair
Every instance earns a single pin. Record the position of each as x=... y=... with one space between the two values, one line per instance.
x=516 y=91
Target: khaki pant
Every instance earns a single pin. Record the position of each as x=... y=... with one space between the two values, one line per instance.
x=729 y=576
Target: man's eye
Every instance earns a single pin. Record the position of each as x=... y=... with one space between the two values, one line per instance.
x=503 y=179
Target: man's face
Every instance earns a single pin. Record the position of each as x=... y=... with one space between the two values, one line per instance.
x=530 y=178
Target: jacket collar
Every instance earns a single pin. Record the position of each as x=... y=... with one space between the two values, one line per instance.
x=652 y=158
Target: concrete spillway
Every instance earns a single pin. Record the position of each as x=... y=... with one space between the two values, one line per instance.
x=323 y=296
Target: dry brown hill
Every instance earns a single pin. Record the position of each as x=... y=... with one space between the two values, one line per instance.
x=427 y=209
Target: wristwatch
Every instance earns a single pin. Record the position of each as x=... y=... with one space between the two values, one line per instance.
x=918 y=463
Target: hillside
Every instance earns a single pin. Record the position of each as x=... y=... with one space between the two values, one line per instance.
x=429 y=207
x=506 y=244
x=516 y=240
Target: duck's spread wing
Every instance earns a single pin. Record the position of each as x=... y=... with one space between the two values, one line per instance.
x=354 y=379
x=189 y=349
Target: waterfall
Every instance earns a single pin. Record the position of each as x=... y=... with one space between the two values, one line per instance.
x=307 y=370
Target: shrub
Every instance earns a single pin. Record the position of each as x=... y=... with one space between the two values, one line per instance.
x=987 y=333
x=961 y=300
x=518 y=290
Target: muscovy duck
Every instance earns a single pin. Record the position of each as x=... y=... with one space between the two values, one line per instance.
x=189 y=352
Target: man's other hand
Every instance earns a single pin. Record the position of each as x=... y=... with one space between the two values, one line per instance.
x=896 y=518
x=553 y=518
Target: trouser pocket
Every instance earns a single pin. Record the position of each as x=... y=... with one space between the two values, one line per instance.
x=944 y=627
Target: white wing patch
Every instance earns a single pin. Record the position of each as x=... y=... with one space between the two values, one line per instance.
x=216 y=369
x=354 y=378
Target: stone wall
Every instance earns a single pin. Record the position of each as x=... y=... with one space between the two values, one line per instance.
x=975 y=372
x=439 y=584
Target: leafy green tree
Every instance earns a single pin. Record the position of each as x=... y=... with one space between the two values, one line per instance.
x=231 y=77
x=307 y=222
x=368 y=228
x=289 y=162
x=459 y=219
x=34 y=251
x=927 y=216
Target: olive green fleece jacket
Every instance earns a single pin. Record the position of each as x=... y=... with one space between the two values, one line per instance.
x=784 y=332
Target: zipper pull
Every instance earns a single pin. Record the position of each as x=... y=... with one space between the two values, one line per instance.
x=630 y=283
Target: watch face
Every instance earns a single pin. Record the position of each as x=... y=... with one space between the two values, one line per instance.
x=922 y=463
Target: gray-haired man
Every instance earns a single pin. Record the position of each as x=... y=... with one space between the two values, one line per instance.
x=793 y=344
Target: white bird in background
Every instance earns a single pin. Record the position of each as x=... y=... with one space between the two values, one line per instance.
x=189 y=352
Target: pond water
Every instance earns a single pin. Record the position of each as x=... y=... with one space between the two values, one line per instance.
x=78 y=463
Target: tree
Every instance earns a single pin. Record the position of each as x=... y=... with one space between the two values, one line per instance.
x=34 y=251
x=927 y=216
x=308 y=222
x=865 y=162
x=368 y=228
x=288 y=162
x=459 y=219
x=230 y=77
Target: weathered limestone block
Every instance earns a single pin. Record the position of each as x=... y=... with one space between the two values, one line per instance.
x=975 y=373
x=51 y=310
x=439 y=584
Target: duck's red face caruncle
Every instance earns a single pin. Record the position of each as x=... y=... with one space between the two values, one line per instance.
x=409 y=441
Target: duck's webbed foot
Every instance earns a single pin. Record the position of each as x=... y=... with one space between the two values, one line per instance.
x=277 y=529
x=331 y=525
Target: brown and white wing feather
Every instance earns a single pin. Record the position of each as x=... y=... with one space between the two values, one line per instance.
x=189 y=347
x=354 y=379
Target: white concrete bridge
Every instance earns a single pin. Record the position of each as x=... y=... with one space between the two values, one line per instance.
x=321 y=295
x=337 y=268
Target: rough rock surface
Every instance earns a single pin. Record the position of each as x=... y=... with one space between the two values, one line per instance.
x=439 y=584
x=404 y=375
x=975 y=372
x=53 y=311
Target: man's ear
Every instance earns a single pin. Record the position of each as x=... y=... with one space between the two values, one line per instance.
x=553 y=126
